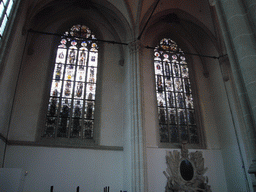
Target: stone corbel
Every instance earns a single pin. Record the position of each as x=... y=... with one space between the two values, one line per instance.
x=224 y=64
x=136 y=46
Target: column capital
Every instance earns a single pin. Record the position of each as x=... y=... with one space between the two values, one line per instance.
x=223 y=59
x=135 y=46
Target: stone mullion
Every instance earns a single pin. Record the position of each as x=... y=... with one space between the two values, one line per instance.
x=138 y=171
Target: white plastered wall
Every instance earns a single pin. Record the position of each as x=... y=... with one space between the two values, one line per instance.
x=221 y=155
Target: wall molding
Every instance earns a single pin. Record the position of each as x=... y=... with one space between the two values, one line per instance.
x=38 y=144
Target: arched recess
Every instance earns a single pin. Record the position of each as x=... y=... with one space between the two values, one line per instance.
x=191 y=38
x=36 y=71
x=185 y=26
x=105 y=9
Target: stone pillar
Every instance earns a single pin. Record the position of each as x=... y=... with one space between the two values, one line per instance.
x=244 y=46
x=240 y=42
x=251 y=9
x=137 y=142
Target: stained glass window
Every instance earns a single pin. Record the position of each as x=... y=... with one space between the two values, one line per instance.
x=174 y=95
x=5 y=12
x=72 y=96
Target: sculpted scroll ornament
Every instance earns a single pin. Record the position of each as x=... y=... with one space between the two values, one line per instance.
x=185 y=172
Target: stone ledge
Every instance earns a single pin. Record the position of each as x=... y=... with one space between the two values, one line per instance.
x=64 y=145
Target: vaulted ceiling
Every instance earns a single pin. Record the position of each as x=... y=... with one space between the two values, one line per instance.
x=134 y=12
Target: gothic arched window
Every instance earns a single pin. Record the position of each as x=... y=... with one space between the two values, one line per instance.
x=72 y=97
x=174 y=95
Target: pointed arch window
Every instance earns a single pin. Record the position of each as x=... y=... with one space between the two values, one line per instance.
x=72 y=96
x=176 y=111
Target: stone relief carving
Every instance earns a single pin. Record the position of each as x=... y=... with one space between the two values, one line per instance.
x=185 y=172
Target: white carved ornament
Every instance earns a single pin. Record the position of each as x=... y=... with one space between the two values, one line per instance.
x=175 y=179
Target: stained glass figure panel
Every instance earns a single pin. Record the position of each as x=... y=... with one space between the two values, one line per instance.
x=164 y=134
x=88 y=130
x=76 y=128
x=176 y=113
x=72 y=96
x=56 y=88
x=50 y=127
x=174 y=134
x=79 y=90
x=53 y=107
x=61 y=55
x=171 y=99
x=93 y=57
x=90 y=96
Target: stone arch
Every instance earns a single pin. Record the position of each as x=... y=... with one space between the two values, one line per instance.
x=40 y=59
x=191 y=38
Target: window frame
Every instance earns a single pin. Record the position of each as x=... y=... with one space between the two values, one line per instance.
x=197 y=108
x=70 y=142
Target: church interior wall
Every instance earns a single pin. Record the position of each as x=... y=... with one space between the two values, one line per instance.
x=2 y=150
x=9 y=73
x=219 y=125
x=33 y=83
x=92 y=169
x=30 y=107
x=157 y=164
x=67 y=168
x=225 y=127
x=156 y=156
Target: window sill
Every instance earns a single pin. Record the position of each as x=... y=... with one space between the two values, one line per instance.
x=64 y=143
x=178 y=145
